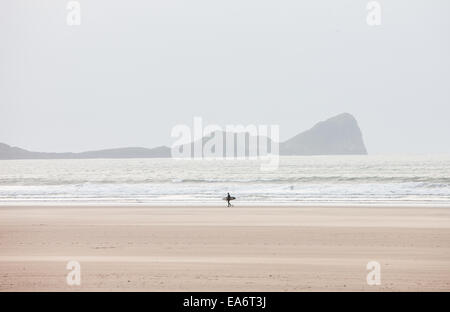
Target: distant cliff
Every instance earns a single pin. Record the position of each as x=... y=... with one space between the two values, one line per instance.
x=339 y=135
x=9 y=152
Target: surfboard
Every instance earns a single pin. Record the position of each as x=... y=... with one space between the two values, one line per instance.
x=231 y=198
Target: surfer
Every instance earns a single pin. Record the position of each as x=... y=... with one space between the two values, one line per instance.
x=228 y=199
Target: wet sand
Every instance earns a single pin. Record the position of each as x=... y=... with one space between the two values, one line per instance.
x=137 y=248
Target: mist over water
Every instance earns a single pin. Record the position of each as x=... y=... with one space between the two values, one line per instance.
x=306 y=179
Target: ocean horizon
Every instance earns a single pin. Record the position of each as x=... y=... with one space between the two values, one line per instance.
x=315 y=180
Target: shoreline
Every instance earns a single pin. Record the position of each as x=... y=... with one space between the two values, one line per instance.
x=222 y=204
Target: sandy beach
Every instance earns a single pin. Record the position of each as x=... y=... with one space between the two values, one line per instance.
x=137 y=248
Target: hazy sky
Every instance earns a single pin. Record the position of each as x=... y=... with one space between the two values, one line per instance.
x=134 y=69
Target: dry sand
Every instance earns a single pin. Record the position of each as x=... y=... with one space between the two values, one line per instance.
x=224 y=249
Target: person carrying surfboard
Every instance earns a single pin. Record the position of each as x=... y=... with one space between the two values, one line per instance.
x=228 y=199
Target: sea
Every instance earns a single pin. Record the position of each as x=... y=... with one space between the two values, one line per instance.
x=298 y=180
